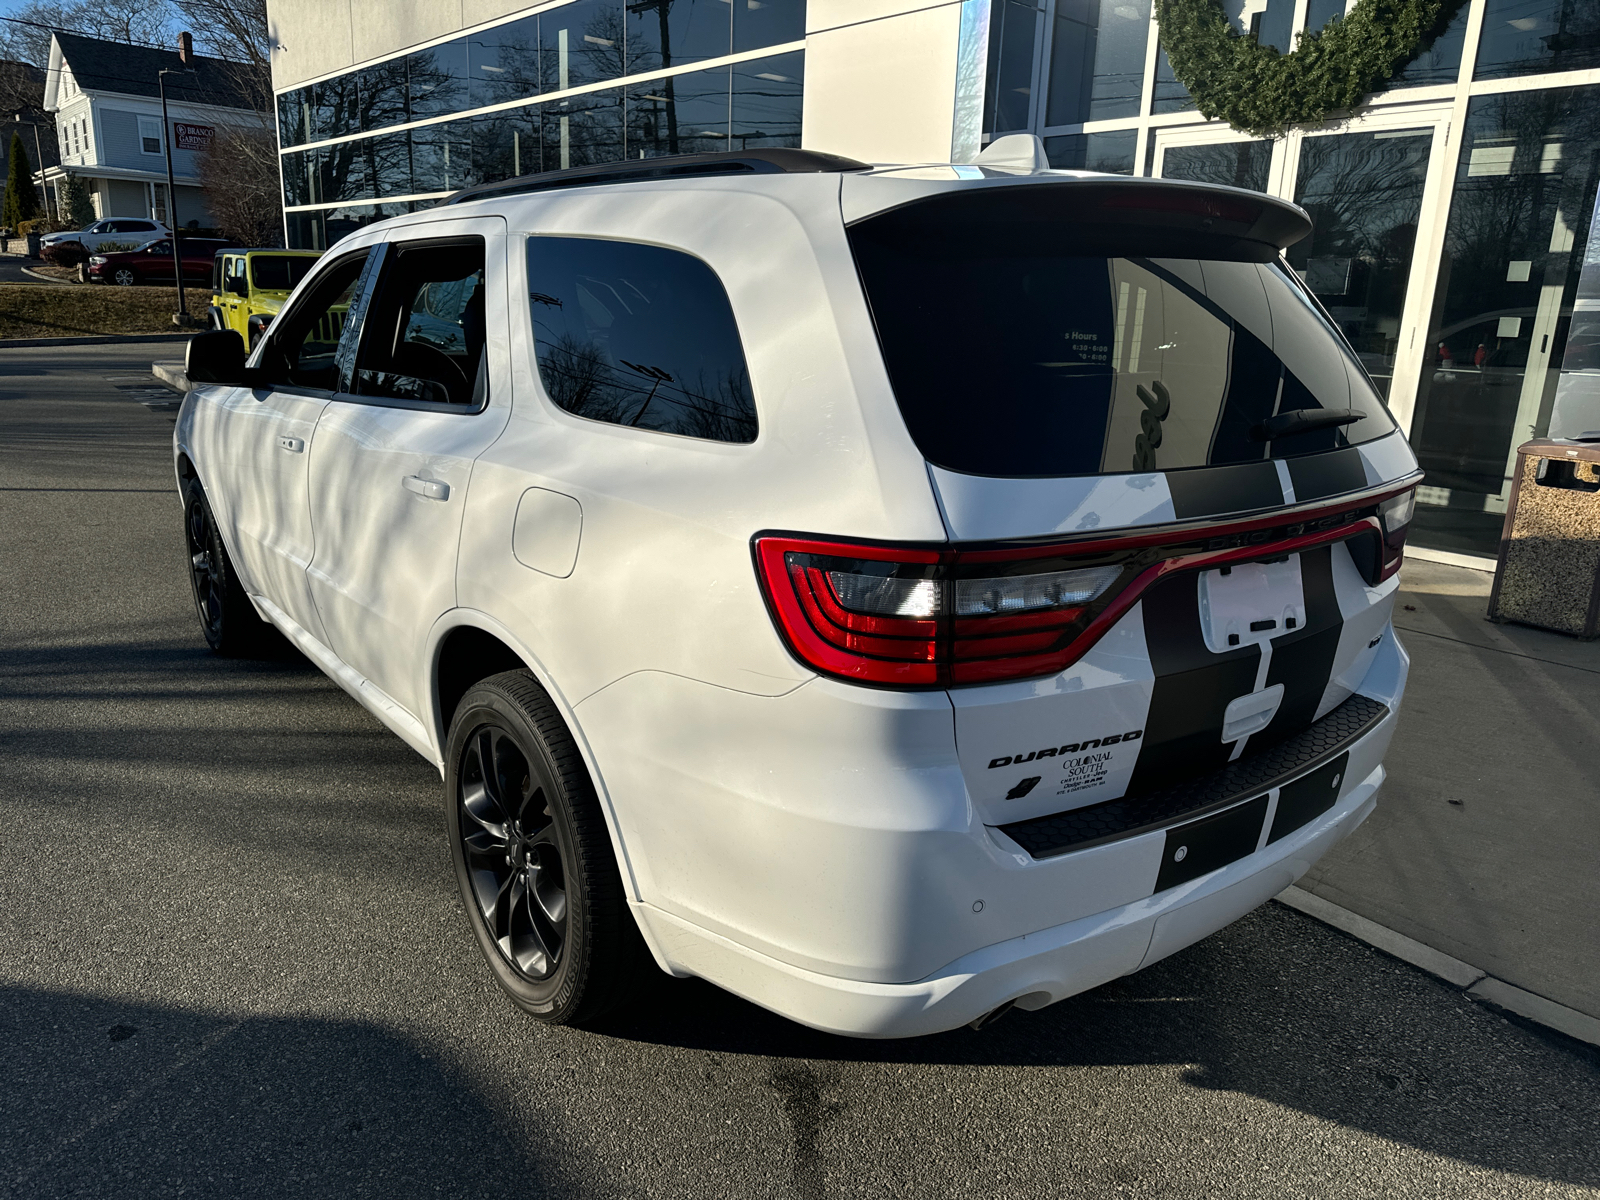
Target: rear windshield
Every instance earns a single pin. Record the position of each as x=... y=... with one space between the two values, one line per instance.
x=1011 y=355
x=280 y=273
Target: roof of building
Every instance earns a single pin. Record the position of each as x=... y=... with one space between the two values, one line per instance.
x=104 y=66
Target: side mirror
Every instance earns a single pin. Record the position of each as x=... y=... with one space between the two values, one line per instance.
x=239 y=286
x=215 y=357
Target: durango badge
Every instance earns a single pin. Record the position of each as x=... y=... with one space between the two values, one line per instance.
x=1011 y=760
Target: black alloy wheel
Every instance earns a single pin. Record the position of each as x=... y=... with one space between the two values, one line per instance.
x=227 y=618
x=513 y=855
x=533 y=857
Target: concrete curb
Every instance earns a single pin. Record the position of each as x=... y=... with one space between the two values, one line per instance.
x=1450 y=558
x=47 y=279
x=104 y=339
x=1477 y=984
x=171 y=374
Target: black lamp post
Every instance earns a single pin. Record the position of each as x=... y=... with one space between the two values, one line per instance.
x=186 y=57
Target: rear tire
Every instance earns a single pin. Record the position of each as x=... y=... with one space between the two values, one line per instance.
x=533 y=857
x=229 y=621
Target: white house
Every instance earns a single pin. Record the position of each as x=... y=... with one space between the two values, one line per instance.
x=107 y=104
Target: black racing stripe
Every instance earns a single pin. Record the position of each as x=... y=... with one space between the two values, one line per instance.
x=1308 y=797
x=1303 y=661
x=1193 y=688
x=1213 y=491
x=1319 y=475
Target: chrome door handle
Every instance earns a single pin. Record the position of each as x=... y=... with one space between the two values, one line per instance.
x=432 y=489
x=293 y=445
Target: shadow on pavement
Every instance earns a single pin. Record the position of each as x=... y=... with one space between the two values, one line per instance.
x=1306 y=1024
x=104 y=1098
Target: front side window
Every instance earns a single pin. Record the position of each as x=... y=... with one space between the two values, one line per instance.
x=426 y=331
x=638 y=335
x=304 y=350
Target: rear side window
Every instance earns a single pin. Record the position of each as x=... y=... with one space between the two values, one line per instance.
x=280 y=273
x=1015 y=353
x=638 y=335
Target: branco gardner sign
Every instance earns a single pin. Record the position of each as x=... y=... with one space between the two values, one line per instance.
x=1258 y=89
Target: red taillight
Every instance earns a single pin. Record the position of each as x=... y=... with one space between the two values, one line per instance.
x=917 y=617
x=1395 y=514
x=930 y=617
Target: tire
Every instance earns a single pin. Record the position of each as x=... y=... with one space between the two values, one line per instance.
x=229 y=621
x=124 y=277
x=533 y=858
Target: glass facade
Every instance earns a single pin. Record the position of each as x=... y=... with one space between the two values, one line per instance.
x=1457 y=287
x=371 y=142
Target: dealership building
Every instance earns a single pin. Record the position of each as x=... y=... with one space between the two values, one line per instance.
x=1452 y=211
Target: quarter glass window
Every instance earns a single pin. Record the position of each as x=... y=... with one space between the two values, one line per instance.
x=638 y=335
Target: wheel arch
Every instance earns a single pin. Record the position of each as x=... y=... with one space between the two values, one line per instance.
x=465 y=646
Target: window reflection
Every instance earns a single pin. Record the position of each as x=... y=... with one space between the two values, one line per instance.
x=1110 y=152
x=1237 y=164
x=1170 y=96
x=1364 y=194
x=1013 y=30
x=1097 y=60
x=1522 y=37
x=1524 y=191
x=638 y=335
x=674 y=33
x=767 y=101
x=682 y=114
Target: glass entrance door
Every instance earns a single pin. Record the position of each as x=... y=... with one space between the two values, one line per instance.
x=1364 y=192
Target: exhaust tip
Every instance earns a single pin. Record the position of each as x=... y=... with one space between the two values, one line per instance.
x=990 y=1017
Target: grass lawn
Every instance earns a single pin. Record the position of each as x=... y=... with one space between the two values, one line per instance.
x=37 y=310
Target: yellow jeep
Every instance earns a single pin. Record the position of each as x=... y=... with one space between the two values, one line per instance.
x=249 y=287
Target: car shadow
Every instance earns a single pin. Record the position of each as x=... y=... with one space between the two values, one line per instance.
x=109 y=1098
x=1278 y=1007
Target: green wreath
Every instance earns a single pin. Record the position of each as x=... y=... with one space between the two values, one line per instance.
x=1259 y=90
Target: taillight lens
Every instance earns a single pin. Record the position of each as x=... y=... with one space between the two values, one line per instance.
x=936 y=616
x=1395 y=515
x=922 y=618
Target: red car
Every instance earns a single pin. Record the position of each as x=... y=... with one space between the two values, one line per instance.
x=152 y=263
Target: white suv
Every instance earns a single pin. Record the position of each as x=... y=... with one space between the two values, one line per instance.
x=891 y=594
x=129 y=231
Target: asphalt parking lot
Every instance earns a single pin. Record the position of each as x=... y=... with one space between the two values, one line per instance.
x=232 y=962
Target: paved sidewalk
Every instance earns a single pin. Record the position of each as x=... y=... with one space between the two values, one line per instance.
x=1486 y=840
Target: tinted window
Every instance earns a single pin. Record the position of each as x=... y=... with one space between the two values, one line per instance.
x=305 y=342
x=280 y=274
x=425 y=328
x=1014 y=352
x=638 y=335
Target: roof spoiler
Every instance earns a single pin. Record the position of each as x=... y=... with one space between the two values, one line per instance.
x=1117 y=216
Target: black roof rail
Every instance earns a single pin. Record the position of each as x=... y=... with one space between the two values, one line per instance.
x=777 y=161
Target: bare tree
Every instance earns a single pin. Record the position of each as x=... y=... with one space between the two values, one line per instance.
x=25 y=34
x=239 y=174
x=235 y=29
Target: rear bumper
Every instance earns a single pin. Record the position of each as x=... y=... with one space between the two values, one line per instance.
x=1033 y=970
x=818 y=853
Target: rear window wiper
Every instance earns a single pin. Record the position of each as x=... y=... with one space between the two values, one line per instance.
x=1304 y=420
